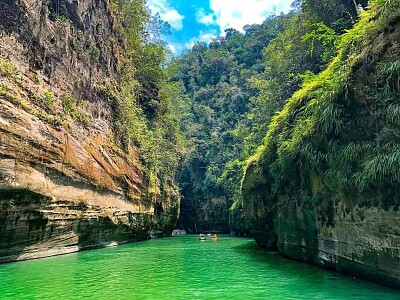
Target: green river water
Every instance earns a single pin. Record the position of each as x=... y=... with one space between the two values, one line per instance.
x=180 y=268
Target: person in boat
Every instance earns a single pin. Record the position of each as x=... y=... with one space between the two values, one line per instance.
x=202 y=237
x=214 y=236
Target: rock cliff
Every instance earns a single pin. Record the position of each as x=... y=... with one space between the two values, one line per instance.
x=65 y=181
x=324 y=187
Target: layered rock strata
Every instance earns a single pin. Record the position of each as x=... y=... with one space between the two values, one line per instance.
x=65 y=182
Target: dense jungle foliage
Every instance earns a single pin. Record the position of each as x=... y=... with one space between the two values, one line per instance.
x=235 y=85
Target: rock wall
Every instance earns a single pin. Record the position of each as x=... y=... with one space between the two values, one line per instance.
x=357 y=240
x=354 y=239
x=206 y=216
x=65 y=182
x=205 y=210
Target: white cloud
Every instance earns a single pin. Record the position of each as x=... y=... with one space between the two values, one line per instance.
x=237 y=13
x=173 y=47
x=173 y=18
x=204 y=36
x=167 y=13
x=203 y=18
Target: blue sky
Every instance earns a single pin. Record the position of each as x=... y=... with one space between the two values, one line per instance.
x=200 y=20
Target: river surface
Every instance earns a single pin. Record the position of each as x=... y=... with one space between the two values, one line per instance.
x=180 y=268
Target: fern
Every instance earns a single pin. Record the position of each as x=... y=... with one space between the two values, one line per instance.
x=330 y=120
x=382 y=168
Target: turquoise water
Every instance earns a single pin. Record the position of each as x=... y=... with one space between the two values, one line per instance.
x=180 y=268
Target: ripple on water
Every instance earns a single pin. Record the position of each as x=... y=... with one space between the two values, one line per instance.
x=180 y=268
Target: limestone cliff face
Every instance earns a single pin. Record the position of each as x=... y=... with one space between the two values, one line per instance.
x=353 y=239
x=320 y=215
x=205 y=212
x=65 y=183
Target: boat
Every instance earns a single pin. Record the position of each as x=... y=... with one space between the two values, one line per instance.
x=202 y=237
x=214 y=237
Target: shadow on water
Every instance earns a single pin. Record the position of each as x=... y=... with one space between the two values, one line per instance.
x=316 y=277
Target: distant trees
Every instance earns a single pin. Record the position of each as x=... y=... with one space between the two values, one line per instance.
x=236 y=84
x=216 y=78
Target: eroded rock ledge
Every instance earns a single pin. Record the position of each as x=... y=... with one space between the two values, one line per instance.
x=65 y=182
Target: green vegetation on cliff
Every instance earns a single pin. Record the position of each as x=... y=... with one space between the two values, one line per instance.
x=338 y=135
x=145 y=116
